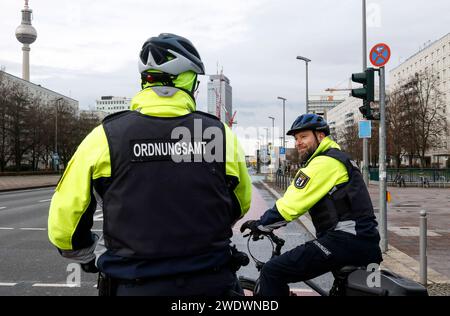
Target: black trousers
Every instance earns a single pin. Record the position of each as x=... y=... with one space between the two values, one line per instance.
x=217 y=283
x=328 y=253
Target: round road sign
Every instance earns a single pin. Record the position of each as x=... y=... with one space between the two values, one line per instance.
x=380 y=55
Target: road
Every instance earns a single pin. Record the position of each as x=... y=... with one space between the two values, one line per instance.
x=30 y=265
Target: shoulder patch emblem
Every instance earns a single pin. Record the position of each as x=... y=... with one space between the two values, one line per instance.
x=301 y=180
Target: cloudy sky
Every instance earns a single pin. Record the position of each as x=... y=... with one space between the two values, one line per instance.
x=87 y=48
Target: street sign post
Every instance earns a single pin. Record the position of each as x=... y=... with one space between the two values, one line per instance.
x=382 y=164
x=379 y=57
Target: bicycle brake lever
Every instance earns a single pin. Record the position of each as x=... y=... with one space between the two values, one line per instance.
x=257 y=236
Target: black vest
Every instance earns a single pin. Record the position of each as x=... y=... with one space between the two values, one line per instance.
x=348 y=201
x=156 y=205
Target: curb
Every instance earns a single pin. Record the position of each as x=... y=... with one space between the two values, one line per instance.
x=393 y=260
x=28 y=188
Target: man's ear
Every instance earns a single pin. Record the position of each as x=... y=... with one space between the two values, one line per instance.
x=320 y=136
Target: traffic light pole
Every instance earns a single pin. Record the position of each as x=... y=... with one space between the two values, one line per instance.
x=365 y=166
x=382 y=159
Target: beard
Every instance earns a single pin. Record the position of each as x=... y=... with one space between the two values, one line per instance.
x=305 y=155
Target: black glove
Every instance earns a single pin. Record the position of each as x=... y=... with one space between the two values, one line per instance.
x=238 y=259
x=89 y=267
x=253 y=226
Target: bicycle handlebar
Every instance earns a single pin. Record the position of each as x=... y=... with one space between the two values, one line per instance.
x=274 y=239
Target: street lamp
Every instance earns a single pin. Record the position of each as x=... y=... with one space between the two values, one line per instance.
x=267 y=136
x=272 y=152
x=273 y=130
x=55 y=154
x=306 y=60
x=284 y=119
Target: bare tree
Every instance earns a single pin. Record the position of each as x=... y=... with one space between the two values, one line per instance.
x=397 y=126
x=426 y=114
x=5 y=154
x=73 y=127
x=38 y=115
x=87 y=121
x=350 y=141
x=18 y=128
x=67 y=118
x=27 y=127
x=47 y=139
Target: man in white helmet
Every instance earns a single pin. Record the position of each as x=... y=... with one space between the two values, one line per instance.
x=173 y=181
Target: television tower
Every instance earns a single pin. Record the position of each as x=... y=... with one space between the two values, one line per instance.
x=26 y=34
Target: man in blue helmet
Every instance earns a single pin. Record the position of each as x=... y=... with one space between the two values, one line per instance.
x=330 y=187
x=172 y=182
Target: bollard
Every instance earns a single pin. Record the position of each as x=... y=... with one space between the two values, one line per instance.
x=423 y=247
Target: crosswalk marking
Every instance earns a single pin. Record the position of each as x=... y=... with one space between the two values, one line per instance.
x=54 y=285
x=49 y=285
x=37 y=229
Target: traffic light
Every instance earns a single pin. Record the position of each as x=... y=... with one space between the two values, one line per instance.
x=367 y=92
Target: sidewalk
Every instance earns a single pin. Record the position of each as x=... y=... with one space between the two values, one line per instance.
x=9 y=183
x=403 y=214
x=403 y=232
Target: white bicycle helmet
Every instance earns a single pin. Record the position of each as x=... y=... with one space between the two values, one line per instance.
x=171 y=54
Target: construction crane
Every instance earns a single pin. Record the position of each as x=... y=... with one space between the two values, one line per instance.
x=232 y=121
x=336 y=89
x=333 y=90
x=229 y=119
x=218 y=102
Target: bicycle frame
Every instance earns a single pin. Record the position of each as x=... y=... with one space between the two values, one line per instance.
x=251 y=284
x=348 y=281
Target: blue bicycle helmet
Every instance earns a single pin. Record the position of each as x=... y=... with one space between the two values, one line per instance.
x=311 y=122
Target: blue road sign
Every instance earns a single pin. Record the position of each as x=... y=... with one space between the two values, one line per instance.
x=282 y=151
x=365 y=129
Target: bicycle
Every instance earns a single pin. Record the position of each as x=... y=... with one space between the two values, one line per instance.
x=348 y=281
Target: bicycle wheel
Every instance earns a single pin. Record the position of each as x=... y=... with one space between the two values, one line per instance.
x=248 y=285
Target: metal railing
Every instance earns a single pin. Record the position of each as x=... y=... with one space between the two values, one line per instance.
x=415 y=177
x=283 y=181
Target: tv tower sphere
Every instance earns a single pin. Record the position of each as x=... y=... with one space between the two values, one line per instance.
x=25 y=32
